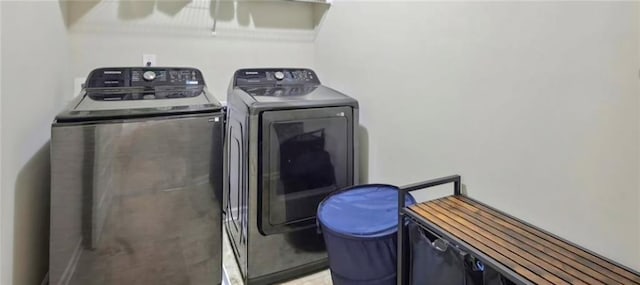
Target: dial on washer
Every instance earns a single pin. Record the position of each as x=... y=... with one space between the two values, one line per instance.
x=149 y=75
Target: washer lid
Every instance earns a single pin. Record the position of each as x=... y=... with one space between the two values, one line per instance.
x=74 y=116
x=363 y=211
x=144 y=97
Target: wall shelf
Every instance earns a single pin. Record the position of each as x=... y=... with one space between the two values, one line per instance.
x=327 y=2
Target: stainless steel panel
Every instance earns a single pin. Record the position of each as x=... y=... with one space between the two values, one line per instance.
x=137 y=202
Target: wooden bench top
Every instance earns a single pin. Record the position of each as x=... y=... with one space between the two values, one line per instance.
x=539 y=257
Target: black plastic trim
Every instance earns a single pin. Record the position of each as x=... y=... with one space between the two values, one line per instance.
x=290 y=273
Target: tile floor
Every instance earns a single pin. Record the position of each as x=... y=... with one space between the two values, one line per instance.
x=233 y=276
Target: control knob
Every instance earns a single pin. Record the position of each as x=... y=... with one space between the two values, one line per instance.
x=149 y=75
x=279 y=75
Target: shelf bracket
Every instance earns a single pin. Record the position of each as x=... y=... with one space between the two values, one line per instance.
x=215 y=17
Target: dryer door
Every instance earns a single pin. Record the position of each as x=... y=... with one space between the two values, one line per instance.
x=305 y=155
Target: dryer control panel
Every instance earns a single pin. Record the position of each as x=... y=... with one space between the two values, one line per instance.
x=275 y=77
x=144 y=77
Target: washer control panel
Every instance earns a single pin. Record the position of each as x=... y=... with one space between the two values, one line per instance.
x=275 y=77
x=144 y=77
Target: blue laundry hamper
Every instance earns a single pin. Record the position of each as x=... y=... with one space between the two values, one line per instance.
x=359 y=225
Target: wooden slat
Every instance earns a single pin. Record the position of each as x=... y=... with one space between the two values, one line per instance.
x=548 y=257
x=552 y=266
x=498 y=218
x=519 y=256
x=529 y=270
x=528 y=251
x=595 y=262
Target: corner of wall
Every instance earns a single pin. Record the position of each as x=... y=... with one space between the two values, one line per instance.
x=448 y=55
x=638 y=119
x=24 y=174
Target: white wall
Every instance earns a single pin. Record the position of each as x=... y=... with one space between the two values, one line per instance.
x=35 y=81
x=534 y=104
x=1 y=203
x=249 y=34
